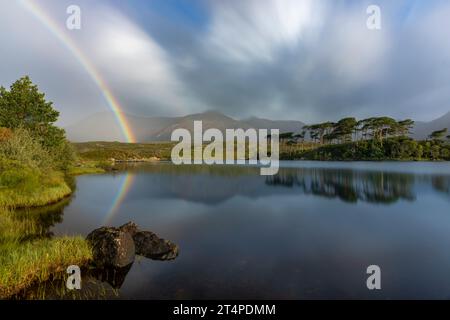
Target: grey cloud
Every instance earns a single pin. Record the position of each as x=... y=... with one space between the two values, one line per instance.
x=336 y=68
x=292 y=59
x=28 y=48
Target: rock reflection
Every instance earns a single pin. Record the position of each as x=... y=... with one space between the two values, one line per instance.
x=115 y=277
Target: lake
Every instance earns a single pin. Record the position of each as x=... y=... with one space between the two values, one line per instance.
x=309 y=232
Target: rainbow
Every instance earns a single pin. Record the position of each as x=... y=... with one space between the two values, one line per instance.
x=59 y=32
x=125 y=185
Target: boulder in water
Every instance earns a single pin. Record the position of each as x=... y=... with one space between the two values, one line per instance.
x=111 y=248
x=151 y=246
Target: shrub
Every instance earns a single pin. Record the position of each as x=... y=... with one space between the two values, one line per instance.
x=445 y=153
x=24 y=178
x=63 y=155
x=375 y=150
x=29 y=174
x=418 y=154
x=435 y=152
x=22 y=148
x=5 y=134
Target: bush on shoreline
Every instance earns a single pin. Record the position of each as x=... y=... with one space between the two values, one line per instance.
x=35 y=159
x=29 y=175
x=34 y=154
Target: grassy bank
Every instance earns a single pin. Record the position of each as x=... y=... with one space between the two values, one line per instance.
x=106 y=151
x=28 y=257
x=100 y=154
x=89 y=167
x=25 y=264
x=19 y=189
x=35 y=163
x=27 y=254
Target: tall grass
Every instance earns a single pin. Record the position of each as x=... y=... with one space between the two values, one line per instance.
x=32 y=176
x=89 y=167
x=25 y=262
x=33 y=173
x=31 y=188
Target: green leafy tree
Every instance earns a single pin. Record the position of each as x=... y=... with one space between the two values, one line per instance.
x=445 y=153
x=378 y=128
x=404 y=127
x=344 y=129
x=312 y=131
x=320 y=131
x=23 y=106
x=286 y=136
x=438 y=135
x=301 y=136
x=418 y=153
x=383 y=126
x=435 y=152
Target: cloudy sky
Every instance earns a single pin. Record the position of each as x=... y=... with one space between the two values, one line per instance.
x=309 y=60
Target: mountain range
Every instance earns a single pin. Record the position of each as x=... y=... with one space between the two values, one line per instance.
x=104 y=127
x=421 y=130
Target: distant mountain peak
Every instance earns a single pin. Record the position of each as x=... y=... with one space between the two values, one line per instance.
x=421 y=130
x=209 y=115
x=447 y=115
x=252 y=118
x=103 y=126
x=215 y=112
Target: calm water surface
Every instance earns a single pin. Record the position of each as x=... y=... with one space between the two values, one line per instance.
x=309 y=232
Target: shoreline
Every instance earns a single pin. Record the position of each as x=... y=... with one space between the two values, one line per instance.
x=40 y=259
x=55 y=270
x=54 y=201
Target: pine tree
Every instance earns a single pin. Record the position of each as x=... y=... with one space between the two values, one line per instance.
x=25 y=107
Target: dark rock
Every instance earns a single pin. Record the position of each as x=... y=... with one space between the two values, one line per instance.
x=111 y=247
x=130 y=227
x=151 y=246
x=116 y=247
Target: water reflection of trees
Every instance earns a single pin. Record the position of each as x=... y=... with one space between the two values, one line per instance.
x=40 y=220
x=215 y=184
x=441 y=184
x=348 y=185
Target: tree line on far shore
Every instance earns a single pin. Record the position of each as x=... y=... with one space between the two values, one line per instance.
x=375 y=138
x=350 y=129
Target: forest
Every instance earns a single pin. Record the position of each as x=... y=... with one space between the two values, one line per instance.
x=375 y=138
